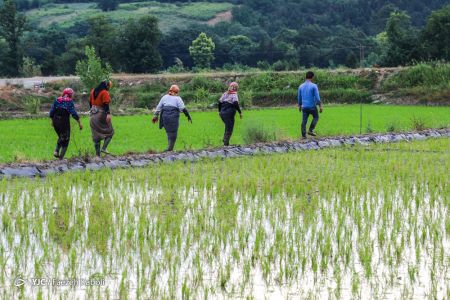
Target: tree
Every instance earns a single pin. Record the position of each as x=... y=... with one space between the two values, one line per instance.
x=436 y=35
x=107 y=5
x=402 y=45
x=91 y=70
x=12 y=26
x=101 y=36
x=139 y=42
x=241 y=48
x=202 y=51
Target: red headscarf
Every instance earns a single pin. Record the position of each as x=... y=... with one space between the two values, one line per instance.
x=66 y=95
x=233 y=87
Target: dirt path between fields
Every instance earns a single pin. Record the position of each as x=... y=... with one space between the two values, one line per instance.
x=142 y=160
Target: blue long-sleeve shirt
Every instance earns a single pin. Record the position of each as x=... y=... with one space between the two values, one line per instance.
x=308 y=95
x=64 y=103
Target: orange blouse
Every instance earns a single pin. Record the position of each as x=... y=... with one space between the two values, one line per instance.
x=102 y=98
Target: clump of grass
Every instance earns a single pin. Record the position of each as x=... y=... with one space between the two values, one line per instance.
x=258 y=133
x=392 y=127
x=418 y=123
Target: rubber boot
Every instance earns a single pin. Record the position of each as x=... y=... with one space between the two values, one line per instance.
x=97 y=149
x=62 y=153
x=226 y=138
x=56 y=152
x=170 y=146
x=105 y=145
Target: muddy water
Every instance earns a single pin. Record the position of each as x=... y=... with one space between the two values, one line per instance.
x=196 y=242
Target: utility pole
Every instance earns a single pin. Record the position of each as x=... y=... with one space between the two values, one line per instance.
x=361 y=65
x=361 y=55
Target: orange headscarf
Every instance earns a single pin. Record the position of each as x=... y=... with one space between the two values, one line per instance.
x=174 y=90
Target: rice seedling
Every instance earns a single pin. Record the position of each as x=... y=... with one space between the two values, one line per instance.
x=339 y=222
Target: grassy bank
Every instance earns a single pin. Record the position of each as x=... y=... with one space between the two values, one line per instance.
x=424 y=84
x=427 y=83
x=337 y=223
x=35 y=139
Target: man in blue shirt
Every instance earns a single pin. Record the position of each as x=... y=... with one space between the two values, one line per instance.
x=308 y=99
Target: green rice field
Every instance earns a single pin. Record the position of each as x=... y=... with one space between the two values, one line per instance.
x=362 y=222
x=35 y=139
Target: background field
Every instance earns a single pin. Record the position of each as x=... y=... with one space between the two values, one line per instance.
x=169 y=15
x=35 y=139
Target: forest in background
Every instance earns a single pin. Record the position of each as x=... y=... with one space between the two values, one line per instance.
x=264 y=34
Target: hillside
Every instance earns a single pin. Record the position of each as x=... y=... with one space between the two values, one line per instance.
x=170 y=15
x=48 y=37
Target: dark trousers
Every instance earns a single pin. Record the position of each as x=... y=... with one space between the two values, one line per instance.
x=227 y=115
x=306 y=112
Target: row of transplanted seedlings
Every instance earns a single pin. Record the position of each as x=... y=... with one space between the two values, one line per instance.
x=330 y=223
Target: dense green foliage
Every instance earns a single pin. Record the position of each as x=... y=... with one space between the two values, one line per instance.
x=202 y=51
x=35 y=139
x=282 y=35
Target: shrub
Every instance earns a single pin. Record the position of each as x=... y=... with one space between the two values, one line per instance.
x=32 y=104
x=246 y=98
x=258 y=133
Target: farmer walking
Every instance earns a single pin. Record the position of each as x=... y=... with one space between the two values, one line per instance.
x=228 y=105
x=168 y=112
x=60 y=113
x=100 y=122
x=308 y=99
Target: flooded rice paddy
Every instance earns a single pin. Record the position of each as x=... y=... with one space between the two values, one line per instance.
x=361 y=222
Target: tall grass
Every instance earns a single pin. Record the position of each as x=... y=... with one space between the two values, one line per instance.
x=420 y=75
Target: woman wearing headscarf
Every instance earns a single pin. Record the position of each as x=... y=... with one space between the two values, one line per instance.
x=62 y=108
x=101 y=125
x=228 y=105
x=168 y=112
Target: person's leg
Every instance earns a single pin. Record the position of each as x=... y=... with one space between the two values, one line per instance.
x=97 y=148
x=171 y=138
x=105 y=144
x=58 y=147
x=305 y=115
x=64 y=145
x=228 y=119
x=315 y=115
x=63 y=152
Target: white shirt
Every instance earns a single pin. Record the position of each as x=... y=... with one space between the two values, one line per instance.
x=168 y=100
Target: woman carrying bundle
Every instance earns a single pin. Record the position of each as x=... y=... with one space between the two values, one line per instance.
x=228 y=105
x=101 y=125
x=60 y=113
x=168 y=112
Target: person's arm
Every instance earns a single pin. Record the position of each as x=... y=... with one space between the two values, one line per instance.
x=182 y=108
x=91 y=99
x=299 y=98
x=74 y=114
x=220 y=105
x=237 y=107
x=186 y=113
x=317 y=98
x=158 y=110
x=52 y=110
